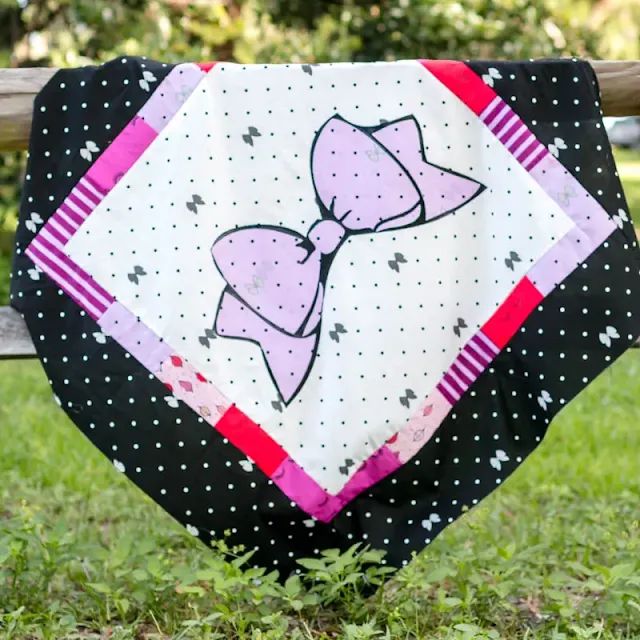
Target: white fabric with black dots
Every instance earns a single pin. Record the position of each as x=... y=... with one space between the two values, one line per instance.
x=399 y=324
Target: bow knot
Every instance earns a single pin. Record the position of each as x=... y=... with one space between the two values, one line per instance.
x=326 y=235
x=367 y=180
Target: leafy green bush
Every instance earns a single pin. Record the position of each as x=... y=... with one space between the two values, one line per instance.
x=70 y=32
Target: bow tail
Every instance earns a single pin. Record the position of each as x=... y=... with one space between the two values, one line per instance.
x=288 y=357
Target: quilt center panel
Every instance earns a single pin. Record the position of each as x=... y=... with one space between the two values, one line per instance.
x=320 y=246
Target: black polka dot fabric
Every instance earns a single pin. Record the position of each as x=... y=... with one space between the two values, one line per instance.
x=194 y=471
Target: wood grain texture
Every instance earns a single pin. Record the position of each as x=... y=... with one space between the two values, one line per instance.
x=15 y=341
x=619 y=84
x=18 y=88
x=14 y=337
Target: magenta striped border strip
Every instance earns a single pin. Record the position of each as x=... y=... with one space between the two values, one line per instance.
x=514 y=134
x=47 y=248
x=77 y=206
x=75 y=209
x=468 y=365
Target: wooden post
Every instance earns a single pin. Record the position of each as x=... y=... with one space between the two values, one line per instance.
x=14 y=337
x=619 y=86
x=18 y=88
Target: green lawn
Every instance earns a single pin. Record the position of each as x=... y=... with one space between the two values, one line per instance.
x=555 y=553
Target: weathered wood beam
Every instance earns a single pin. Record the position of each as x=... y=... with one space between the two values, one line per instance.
x=619 y=84
x=18 y=88
x=15 y=341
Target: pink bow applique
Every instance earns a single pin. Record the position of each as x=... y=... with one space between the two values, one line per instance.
x=367 y=179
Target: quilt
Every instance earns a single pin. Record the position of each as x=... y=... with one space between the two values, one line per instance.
x=304 y=306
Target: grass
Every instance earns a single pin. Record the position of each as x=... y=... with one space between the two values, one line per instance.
x=554 y=554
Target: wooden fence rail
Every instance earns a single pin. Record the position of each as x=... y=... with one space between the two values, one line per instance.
x=15 y=341
x=619 y=85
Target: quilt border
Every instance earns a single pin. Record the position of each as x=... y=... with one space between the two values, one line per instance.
x=592 y=226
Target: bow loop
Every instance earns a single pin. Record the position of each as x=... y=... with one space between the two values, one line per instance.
x=367 y=179
x=270 y=270
x=356 y=179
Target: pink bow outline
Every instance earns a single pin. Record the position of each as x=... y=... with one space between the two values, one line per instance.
x=367 y=179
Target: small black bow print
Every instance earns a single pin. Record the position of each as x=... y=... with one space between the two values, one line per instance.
x=334 y=334
x=344 y=470
x=408 y=395
x=209 y=334
x=398 y=259
x=277 y=405
x=137 y=271
x=461 y=324
x=248 y=137
x=195 y=201
x=513 y=257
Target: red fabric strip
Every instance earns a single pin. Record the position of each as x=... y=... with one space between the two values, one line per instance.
x=463 y=82
x=245 y=434
x=510 y=315
x=206 y=66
